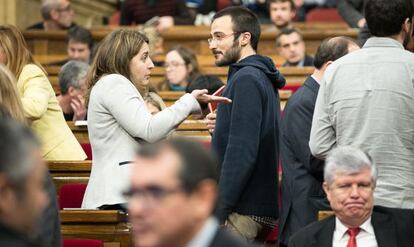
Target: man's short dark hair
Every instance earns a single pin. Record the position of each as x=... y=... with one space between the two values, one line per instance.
x=17 y=143
x=243 y=20
x=81 y=35
x=385 y=17
x=332 y=49
x=287 y=31
x=197 y=164
x=292 y=4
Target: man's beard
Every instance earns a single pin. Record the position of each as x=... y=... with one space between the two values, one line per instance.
x=231 y=56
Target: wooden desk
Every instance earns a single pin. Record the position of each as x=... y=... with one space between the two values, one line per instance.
x=324 y=214
x=195 y=129
x=108 y=225
x=293 y=75
x=65 y=172
x=195 y=37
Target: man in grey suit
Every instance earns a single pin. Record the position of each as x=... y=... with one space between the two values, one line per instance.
x=366 y=100
x=350 y=180
x=302 y=194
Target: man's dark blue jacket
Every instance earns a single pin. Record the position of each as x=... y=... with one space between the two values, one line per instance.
x=246 y=139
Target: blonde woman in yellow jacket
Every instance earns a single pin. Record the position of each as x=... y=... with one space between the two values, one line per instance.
x=38 y=98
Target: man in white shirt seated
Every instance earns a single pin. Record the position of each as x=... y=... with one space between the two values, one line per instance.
x=172 y=195
x=350 y=179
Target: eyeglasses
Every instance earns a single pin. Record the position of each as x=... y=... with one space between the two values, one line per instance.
x=173 y=64
x=151 y=194
x=220 y=37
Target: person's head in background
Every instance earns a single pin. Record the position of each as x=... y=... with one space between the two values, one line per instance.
x=123 y=52
x=73 y=88
x=349 y=182
x=209 y=82
x=22 y=172
x=291 y=47
x=392 y=19
x=155 y=43
x=181 y=68
x=173 y=192
x=57 y=14
x=9 y=97
x=80 y=44
x=154 y=103
x=282 y=13
x=330 y=50
x=14 y=52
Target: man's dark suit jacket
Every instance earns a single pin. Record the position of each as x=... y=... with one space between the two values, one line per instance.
x=392 y=227
x=11 y=238
x=307 y=62
x=302 y=194
x=225 y=239
x=351 y=11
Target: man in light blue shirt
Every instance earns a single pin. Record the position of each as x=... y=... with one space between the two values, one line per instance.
x=366 y=100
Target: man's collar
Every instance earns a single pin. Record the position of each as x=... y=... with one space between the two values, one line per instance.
x=206 y=235
x=382 y=42
x=341 y=228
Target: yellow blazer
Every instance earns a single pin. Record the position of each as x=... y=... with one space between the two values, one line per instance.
x=43 y=111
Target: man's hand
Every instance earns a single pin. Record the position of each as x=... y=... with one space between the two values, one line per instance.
x=202 y=97
x=361 y=23
x=78 y=107
x=211 y=121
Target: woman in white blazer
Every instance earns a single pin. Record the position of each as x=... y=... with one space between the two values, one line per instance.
x=118 y=119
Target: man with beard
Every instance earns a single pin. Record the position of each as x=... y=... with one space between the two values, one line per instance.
x=246 y=132
x=282 y=13
x=366 y=100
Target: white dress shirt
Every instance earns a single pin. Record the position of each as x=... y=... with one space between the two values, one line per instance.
x=365 y=238
x=206 y=235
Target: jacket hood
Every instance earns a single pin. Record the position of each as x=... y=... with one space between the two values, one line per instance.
x=265 y=64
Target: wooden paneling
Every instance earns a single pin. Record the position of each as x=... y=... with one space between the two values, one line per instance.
x=54 y=42
x=293 y=75
x=108 y=225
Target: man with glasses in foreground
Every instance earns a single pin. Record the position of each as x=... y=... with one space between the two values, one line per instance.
x=246 y=132
x=172 y=195
x=350 y=179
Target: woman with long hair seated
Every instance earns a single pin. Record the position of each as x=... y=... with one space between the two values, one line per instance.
x=38 y=98
x=181 y=68
x=118 y=119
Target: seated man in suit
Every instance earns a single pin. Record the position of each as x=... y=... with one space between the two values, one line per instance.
x=73 y=90
x=291 y=47
x=173 y=193
x=350 y=179
x=80 y=46
x=56 y=14
x=22 y=193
